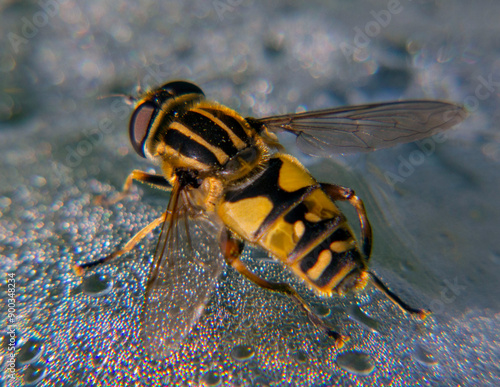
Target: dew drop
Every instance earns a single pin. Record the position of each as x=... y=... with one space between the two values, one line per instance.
x=363 y=319
x=242 y=353
x=355 y=362
x=301 y=356
x=322 y=310
x=97 y=285
x=97 y=360
x=424 y=356
x=30 y=352
x=34 y=373
x=211 y=379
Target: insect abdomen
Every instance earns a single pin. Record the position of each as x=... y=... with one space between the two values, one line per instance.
x=286 y=212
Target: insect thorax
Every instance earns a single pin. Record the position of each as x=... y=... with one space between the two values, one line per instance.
x=210 y=139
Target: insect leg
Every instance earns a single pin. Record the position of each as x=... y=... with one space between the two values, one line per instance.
x=339 y=193
x=231 y=249
x=80 y=269
x=422 y=313
x=156 y=181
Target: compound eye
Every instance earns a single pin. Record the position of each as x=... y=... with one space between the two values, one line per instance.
x=140 y=124
x=177 y=88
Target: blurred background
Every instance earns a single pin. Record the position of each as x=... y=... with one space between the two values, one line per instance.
x=433 y=204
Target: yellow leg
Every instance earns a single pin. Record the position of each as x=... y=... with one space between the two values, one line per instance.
x=80 y=269
x=338 y=193
x=156 y=181
x=231 y=249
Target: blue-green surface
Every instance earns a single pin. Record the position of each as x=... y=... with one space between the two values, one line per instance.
x=433 y=205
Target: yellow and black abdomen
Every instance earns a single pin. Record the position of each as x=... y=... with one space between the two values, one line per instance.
x=285 y=211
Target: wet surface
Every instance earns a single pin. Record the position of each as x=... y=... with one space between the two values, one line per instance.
x=433 y=204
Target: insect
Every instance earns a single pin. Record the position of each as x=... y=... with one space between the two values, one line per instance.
x=231 y=183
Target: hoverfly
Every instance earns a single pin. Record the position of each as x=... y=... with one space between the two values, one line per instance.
x=231 y=183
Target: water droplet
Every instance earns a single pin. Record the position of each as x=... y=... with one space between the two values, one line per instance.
x=211 y=379
x=301 y=356
x=97 y=285
x=322 y=310
x=364 y=320
x=242 y=353
x=97 y=360
x=34 y=373
x=424 y=356
x=30 y=352
x=355 y=362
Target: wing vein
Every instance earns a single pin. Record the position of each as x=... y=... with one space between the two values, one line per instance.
x=366 y=127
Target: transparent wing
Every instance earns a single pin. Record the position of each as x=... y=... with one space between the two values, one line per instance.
x=366 y=127
x=186 y=266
